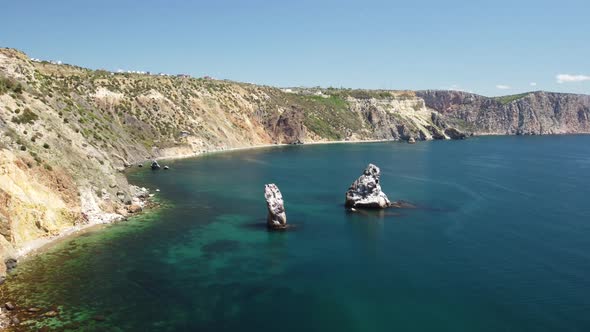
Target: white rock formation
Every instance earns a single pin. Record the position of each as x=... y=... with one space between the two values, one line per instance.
x=277 y=217
x=366 y=192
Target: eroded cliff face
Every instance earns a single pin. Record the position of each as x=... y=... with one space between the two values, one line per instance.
x=535 y=113
x=34 y=201
x=403 y=117
x=67 y=133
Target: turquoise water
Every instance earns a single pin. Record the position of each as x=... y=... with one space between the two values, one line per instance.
x=500 y=241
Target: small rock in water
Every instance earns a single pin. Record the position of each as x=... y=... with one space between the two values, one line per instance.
x=276 y=218
x=366 y=192
x=33 y=309
x=155 y=165
x=166 y=167
x=157 y=190
x=51 y=313
x=140 y=165
x=411 y=140
x=9 y=306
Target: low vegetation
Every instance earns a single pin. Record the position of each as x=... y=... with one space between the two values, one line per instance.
x=27 y=116
x=10 y=85
x=508 y=99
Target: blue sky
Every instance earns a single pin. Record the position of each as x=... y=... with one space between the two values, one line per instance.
x=491 y=48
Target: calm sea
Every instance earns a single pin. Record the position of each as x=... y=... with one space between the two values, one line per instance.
x=499 y=241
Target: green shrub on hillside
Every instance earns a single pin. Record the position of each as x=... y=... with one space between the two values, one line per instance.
x=27 y=116
x=329 y=117
x=10 y=85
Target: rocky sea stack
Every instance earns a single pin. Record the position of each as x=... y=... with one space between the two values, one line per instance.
x=366 y=192
x=277 y=218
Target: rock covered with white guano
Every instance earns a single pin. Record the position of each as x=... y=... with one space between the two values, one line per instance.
x=155 y=164
x=276 y=207
x=366 y=192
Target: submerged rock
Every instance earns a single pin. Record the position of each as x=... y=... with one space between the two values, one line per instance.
x=155 y=165
x=277 y=218
x=366 y=192
x=402 y=205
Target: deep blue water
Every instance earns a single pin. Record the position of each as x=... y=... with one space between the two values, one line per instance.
x=500 y=241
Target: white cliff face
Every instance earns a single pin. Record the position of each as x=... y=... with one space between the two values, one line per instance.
x=397 y=117
x=366 y=192
x=277 y=218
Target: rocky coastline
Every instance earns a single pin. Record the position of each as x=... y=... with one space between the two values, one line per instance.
x=68 y=134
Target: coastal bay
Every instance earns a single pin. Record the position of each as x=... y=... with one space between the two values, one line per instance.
x=496 y=242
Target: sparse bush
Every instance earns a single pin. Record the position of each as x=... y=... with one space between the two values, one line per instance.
x=10 y=85
x=36 y=157
x=45 y=145
x=27 y=116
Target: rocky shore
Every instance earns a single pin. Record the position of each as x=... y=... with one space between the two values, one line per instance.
x=11 y=313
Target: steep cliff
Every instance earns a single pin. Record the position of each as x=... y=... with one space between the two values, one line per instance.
x=534 y=113
x=67 y=133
